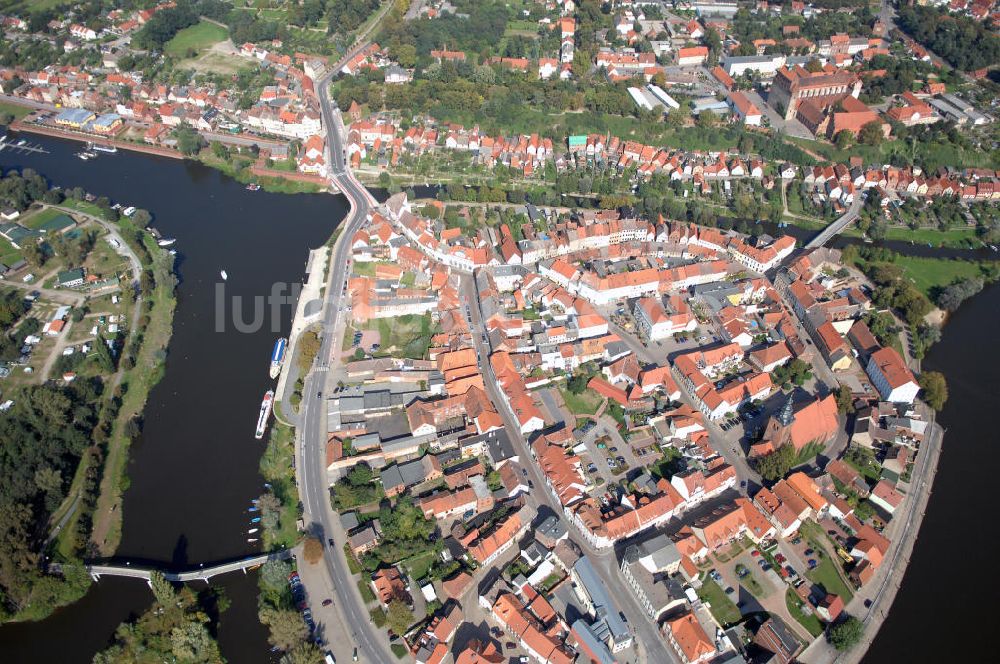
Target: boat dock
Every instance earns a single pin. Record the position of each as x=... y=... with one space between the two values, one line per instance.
x=21 y=146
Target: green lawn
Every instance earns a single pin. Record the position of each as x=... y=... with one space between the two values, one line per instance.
x=927 y=273
x=403 y=336
x=585 y=403
x=953 y=237
x=198 y=37
x=8 y=254
x=826 y=575
x=16 y=110
x=364 y=269
x=811 y=622
x=40 y=220
x=723 y=608
x=420 y=564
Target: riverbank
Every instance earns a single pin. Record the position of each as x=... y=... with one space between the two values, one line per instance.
x=34 y=128
x=149 y=365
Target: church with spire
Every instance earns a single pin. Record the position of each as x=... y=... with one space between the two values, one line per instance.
x=815 y=421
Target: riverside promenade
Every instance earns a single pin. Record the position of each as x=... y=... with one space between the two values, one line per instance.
x=881 y=591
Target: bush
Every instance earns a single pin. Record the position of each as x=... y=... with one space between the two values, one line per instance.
x=846 y=634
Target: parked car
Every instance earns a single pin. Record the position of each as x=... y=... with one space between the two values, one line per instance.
x=755 y=553
x=779 y=557
x=327 y=602
x=730 y=590
x=809 y=552
x=812 y=563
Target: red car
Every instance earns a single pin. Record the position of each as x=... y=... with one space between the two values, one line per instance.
x=755 y=553
x=779 y=557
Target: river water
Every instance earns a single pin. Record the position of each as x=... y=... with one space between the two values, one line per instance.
x=194 y=471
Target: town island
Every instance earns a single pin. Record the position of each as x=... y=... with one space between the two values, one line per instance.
x=615 y=355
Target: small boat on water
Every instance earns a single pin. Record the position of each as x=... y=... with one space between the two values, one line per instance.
x=223 y=275
x=166 y=242
x=252 y=531
x=110 y=149
x=253 y=187
x=278 y=356
x=129 y=211
x=265 y=413
x=256 y=519
x=251 y=540
x=82 y=155
x=254 y=509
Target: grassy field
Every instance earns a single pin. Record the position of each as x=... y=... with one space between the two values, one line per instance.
x=198 y=37
x=928 y=273
x=276 y=468
x=826 y=575
x=585 y=403
x=811 y=623
x=8 y=254
x=16 y=110
x=39 y=219
x=953 y=237
x=420 y=564
x=723 y=608
x=403 y=336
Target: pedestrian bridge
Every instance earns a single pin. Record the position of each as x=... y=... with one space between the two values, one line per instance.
x=126 y=569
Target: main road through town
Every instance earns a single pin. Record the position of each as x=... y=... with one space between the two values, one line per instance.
x=650 y=645
x=312 y=475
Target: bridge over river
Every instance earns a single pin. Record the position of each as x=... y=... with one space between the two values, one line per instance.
x=202 y=573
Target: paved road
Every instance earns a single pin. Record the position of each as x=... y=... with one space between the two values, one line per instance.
x=647 y=639
x=312 y=475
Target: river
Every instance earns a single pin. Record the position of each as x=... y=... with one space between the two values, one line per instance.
x=194 y=470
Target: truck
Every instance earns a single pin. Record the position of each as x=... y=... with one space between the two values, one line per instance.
x=328 y=658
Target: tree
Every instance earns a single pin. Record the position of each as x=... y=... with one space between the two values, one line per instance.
x=871 y=133
x=286 y=629
x=846 y=633
x=952 y=296
x=706 y=119
x=775 y=465
x=189 y=141
x=304 y=653
x=399 y=617
x=312 y=550
x=845 y=404
x=141 y=218
x=844 y=139
x=274 y=575
x=935 y=389
x=33 y=254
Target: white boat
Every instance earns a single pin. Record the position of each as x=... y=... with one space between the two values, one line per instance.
x=252 y=531
x=83 y=156
x=103 y=148
x=223 y=275
x=129 y=211
x=278 y=356
x=251 y=540
x=265 y=413
x=166 y=242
